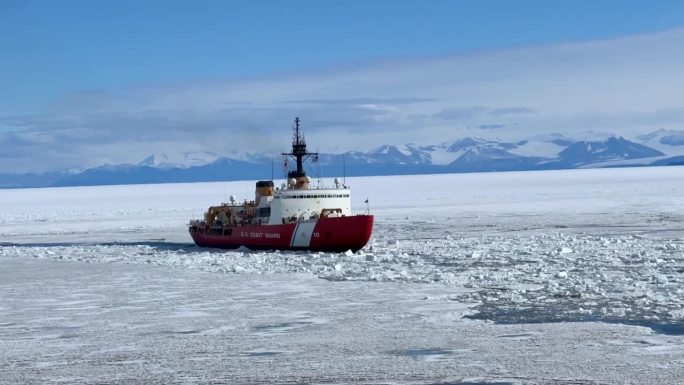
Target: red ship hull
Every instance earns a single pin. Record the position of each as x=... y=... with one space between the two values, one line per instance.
x=324 y=234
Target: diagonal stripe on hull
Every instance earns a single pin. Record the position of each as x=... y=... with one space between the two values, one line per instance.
x=302 y=234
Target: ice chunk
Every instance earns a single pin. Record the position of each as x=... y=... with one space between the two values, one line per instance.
x=661 y=279
x=348 y=253
x=562 y=274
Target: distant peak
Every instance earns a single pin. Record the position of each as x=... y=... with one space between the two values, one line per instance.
x=406 y=150
x=383 y=149
x=152 y=160
x=149 y=161
x=659 y=135
x=465 y=143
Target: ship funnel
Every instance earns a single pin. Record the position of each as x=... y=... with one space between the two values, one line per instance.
x=264 y=188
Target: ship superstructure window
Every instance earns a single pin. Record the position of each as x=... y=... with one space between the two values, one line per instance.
x=313 y=196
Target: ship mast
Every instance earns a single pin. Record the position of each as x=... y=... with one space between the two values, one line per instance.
x=299 y=152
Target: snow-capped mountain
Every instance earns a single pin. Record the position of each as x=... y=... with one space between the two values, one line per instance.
x=549 y=151
x=467 y=150
x=179 y=160
x=406 y=154
x=545 y=148
x=480 y=154
x=670 y=142
x=611 y=149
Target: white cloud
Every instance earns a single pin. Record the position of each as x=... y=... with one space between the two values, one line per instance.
x=629 y=85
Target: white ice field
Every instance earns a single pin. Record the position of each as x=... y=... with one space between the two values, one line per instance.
x=554 y=277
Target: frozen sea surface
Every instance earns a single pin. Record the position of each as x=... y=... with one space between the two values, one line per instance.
x=535 y=277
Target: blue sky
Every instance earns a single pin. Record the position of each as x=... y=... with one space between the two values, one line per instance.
x=91 y=82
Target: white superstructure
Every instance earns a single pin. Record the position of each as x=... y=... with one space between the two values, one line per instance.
x=296 y=205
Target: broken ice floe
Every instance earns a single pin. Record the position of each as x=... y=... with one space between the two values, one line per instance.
x=586 y=273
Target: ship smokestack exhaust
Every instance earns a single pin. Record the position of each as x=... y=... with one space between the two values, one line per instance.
x=264 y=188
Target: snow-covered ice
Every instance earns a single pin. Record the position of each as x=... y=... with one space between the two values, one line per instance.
x=523 y=277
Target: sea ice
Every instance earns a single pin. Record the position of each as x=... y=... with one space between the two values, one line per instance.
x=509 y=247
x=661 y=279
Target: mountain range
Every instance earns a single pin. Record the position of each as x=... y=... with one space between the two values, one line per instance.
x=471 y=154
